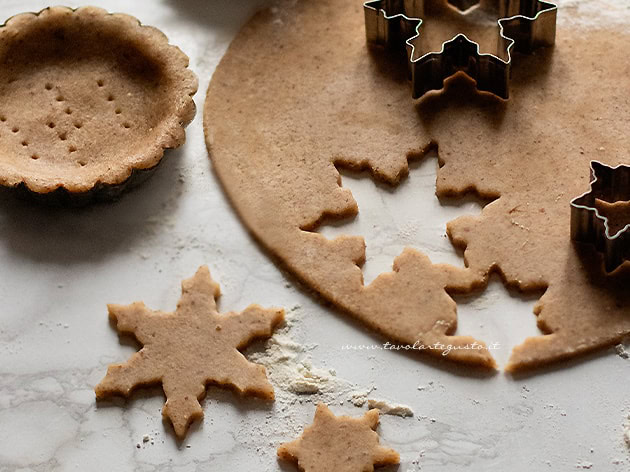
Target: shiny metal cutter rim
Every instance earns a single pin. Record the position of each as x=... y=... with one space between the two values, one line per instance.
x=523 y=24
x=610 y=184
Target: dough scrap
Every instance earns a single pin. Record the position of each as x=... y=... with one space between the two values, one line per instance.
x=277 y=136
x=388 y=408
x=190 y=348
x=339 y=443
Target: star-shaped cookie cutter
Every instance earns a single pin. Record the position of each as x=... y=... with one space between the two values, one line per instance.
x=588 y=225
x=523 y=25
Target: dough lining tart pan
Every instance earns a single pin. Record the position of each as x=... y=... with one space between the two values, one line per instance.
x=89 y=101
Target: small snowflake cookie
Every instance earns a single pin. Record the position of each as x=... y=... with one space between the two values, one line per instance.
x=190 y=348
x=339 y=443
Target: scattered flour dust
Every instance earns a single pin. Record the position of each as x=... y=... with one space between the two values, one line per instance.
x=359 y=398
x=294 y=378
x=290 y=370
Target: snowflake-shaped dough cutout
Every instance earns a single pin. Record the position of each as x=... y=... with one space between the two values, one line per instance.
x=190 y=348
x=342 y=444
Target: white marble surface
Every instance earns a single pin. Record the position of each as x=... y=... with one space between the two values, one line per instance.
x=59 y=268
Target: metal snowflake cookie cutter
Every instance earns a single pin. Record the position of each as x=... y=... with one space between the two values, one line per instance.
x=609 y=186
x=523 y=25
